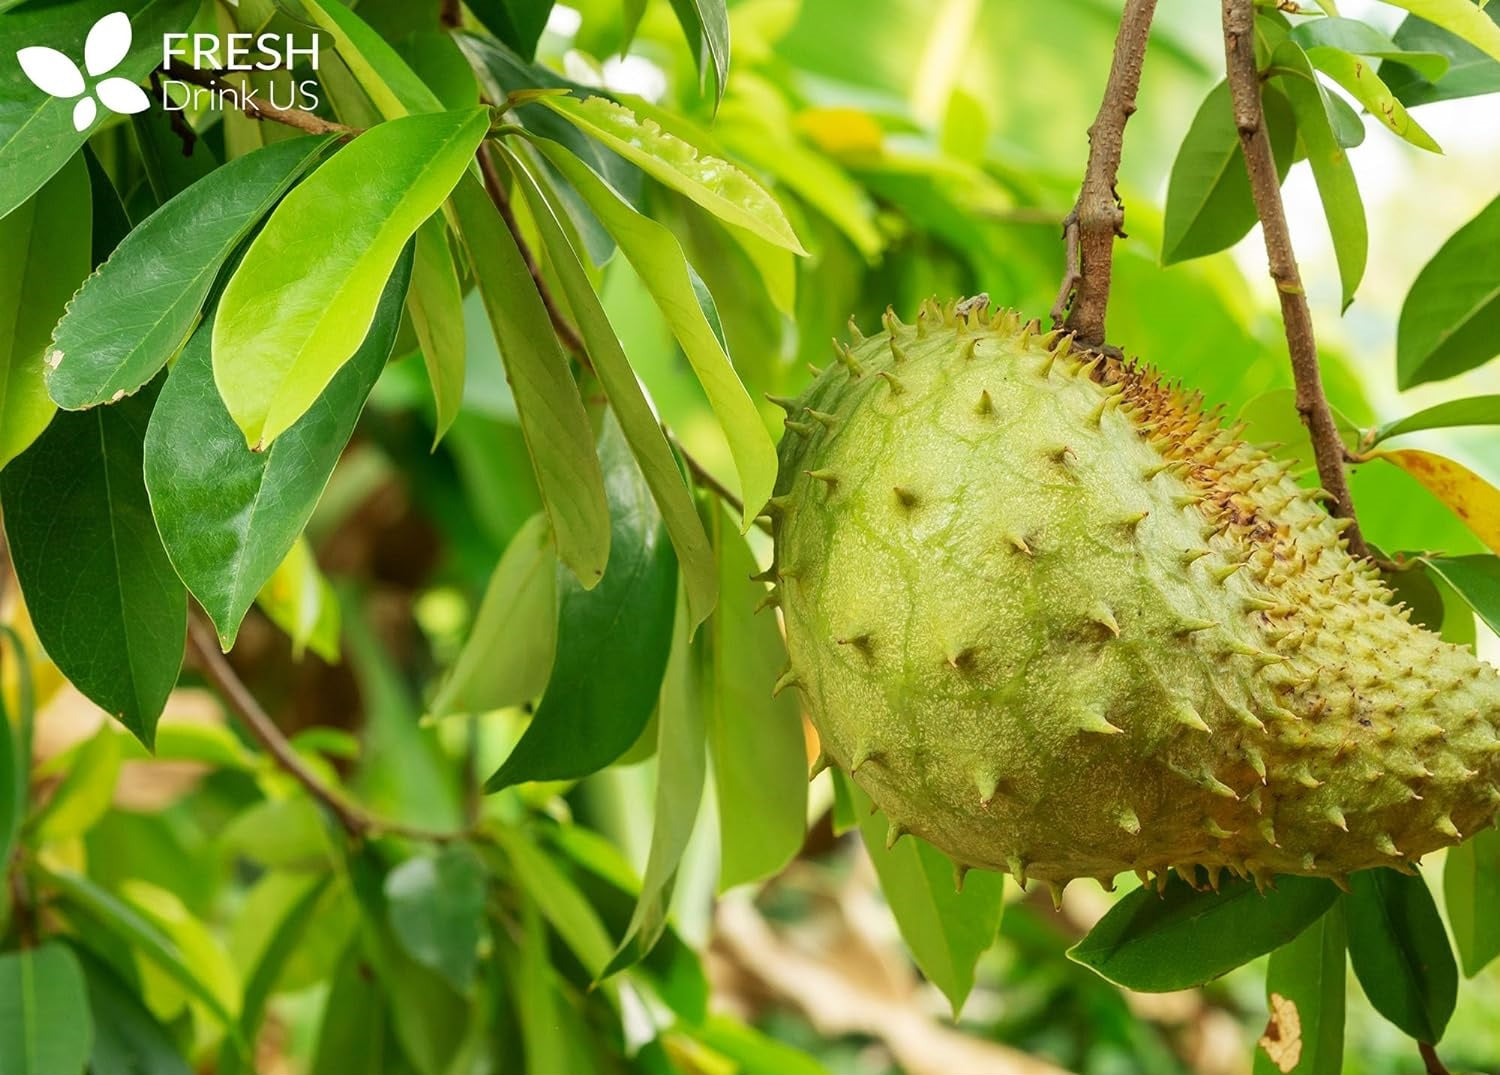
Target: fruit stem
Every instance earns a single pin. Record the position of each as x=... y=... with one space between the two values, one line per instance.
x=1265 y=186
x=1099 y=216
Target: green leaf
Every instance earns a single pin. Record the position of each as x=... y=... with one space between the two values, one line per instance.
x=1305 y=987
x=559 y=899
x=946 y=928
x=1362 y=39
x=554 y=1040
x=1462 y=18
x=1183 y=937
x=547 y=400
x=128 y=1040
x=1471 y=892
x=508 y=655
x=1209 y=207
x=1359 y=78
x=45 y=1028
x=229 y=516
x=85 y=792
x=272 y=960
x=392 y=85
x=296 y=311
x=717 y=185
x=1470 y=71
x=45 y=252
x=753 y=1052
x=436 y=906
x=518 y=23
x=136 y=312
x=106 y=604
x=1450 y=321
x=755 y=739
x=353 y=1037
x=1337 y=188
x=628 y=400
x=681 y=766
x=37 y=135
x=437 y=314
x=170 y=169
x=1476 y=579
x=706 y=24
x=1474 y=411
x=302 y=602
x=613 y=640
x=1400 y=951
x=658 y=258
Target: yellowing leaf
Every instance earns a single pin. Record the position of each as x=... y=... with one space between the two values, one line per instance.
x=841 y=132
x=1470 y=497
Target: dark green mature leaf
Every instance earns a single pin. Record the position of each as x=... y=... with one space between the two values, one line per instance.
x=37 y=131
x=946 y=928
x=547 y=399
x=1337 y=188
x=1305 y=987
x=45 y=253
x=128 y=1040
x=1471 y=892
x=755 y=739
x=1476 y=579
x=436 y=908
x=1470 y=71
x=45 y=1028
x=1400 y=951
x=101 y=590
x=518 y=23
x=353 y=1038
x=229 y=516
x=1450 y=321
x=706 y=24
x=613 y=640
x=169 y=171
x=1209 y=207
x=1185 y=937
x=1474 y=411
x=637 y=420
x=561 y=902
x=136 y=312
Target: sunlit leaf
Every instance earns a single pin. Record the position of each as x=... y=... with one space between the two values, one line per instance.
x=1466 y=494
x=706 y=24
x=1470 y=70
x=301 y=601
x=85 y=791
x=1400 y=952
x=1362 y=39
x=1471 y=892
x=1450 y=320
x=436 y=303
x=1474 y=411
x=1463 y=18
x=1359 y=78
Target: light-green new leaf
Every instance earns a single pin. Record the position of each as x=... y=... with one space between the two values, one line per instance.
x=138 y=310
x=306 y=293
x=1359 y=78
x=1471 y=891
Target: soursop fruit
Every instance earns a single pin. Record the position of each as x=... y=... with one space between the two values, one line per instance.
x=1058 y=621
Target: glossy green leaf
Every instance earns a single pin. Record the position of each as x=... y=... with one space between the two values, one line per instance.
x=1359 y=78
x=755 y=740
x=1471 y=892
x=295 y=311
x=45 y=253
x=138 y=310
x=1400 y=952
x=437 y=314
x=507 y=657
x=606 y=677
x=1362 y=39
x=169 y=169
x=1450 y=320
x=1462 y=18
x=102 y=593
x=637 y=419
x=1305 y=991
x=1337 y=187
x=128 y=1039
x=946 y=928
x=436 y=905
x=1183 y=937
x=717 y=185
x=706 y=24
x=37 y=131
x=302 y=602
x=1470 y=71
x=230 y=516
x=518 y=23
x=1476 y=579
x=1209 y=207
x=658 y=258
x=1474 y=411
x=392 y=85
x=547 y=400
x=45 y=1027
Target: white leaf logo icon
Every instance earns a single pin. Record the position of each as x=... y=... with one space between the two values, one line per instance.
x=105 y=49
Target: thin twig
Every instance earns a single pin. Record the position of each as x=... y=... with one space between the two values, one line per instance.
x=302 y=121
x=1265 y=186
x=1430 y=1059
x=452 y=14
x=494 y=183
x=1099 y=216
x=355 y=819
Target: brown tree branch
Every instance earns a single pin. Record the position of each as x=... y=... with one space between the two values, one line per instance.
x=452 y=14
x=1430 y=1060
x=291 y=117
x=1099 y=216
x=1265 y=186
x=354 y=819
x=494 y=183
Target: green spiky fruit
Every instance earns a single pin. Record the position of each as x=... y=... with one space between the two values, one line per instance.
x=1057 y=621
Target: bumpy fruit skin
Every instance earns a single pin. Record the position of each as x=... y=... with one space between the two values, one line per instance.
x=1058 y=621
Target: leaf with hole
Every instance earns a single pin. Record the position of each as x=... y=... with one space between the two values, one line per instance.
x=1305 y=993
